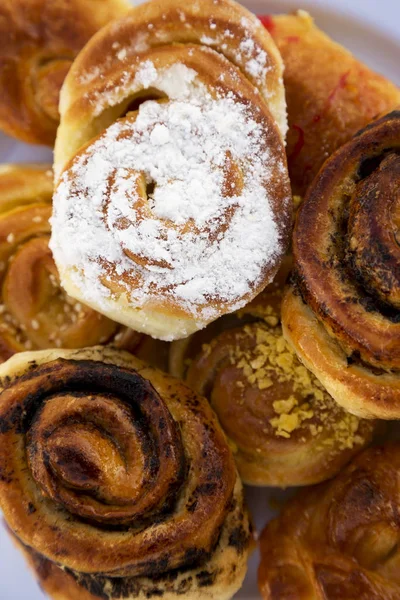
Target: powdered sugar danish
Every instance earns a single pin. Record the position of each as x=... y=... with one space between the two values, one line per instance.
x=179 y=211
x=101 y=84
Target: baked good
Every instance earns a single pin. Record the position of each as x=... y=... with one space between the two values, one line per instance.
x=39 y=41
x=283 y=427
x=341 y=311
x=35 y=313
x=339 y=539
x=180 y=211
x=330 y=94
x=102 y=85
x=120 y=476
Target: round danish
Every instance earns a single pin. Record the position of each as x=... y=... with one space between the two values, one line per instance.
x=179 y=211
x=283 y=427
x=341 y=311
x=119 y=479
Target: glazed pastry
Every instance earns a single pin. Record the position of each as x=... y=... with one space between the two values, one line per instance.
x=190 y=207
x=35 y=313
x=340 y=539
x=39 y=41
x=341 y=312
x=119 y=479
x=330 y=94
x=284 y=428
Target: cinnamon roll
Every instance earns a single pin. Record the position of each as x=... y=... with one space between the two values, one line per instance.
x=330 y=94
x=283 y=427
x=35 y=313
x=340 y=539
x=341 y=311
x=119 y=479
x=179 y=211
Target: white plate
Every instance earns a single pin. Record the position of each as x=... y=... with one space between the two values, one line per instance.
x=371 y=30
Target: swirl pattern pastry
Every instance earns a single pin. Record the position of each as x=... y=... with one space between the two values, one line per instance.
x=284 y=428
x=102 y=85
x=340 y=539
x=341 y=313
x=180 y=211
x=35 y=313
x=39 y=41
x=330 y=94
x=120 y=475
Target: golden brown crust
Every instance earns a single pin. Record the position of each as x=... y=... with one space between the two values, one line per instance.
x=119 y=474
x=346 y=270
x=284 y=429
x=35 y=313
x=355 y=386
x=39 y=41
x=90 y=104
x=330 y=94
x=338 y=540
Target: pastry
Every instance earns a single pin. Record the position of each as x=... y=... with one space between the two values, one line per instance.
x=283 y=427
x=340 y=539
x=102 y=86
x=35 y=313
x=118 y=479
x=341 y=311
x=179 y=211
x=330 y=94
x=39 y=41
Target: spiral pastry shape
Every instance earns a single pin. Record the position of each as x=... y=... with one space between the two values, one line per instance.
x=328 y=103
x=39 y=41
x=340 y=539
x=179 y=211
x=120 y=475
x=341 y=312
x=284 y=428
x=35 y=312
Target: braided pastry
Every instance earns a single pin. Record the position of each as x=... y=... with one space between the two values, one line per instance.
x=35 y=313
x=284 y=428
x=340 y=539
x=39 y=41
x=341 y=312
x=330 y=94
x=190 y=209
x=121 y=476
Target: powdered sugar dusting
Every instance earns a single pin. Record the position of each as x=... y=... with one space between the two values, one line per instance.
x=249 y=53
x=203 y=232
